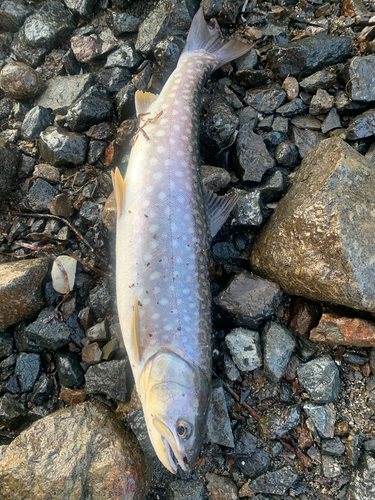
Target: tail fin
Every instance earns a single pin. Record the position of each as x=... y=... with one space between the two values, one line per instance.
x=208 y=37
x=119 y=189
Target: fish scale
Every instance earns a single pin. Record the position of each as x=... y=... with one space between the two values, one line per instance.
x=164 y=227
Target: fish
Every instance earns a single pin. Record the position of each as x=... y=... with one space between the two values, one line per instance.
x=165 y=222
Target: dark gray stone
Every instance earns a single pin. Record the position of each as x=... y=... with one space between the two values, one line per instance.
x=265 y=124
x=230 y=369
x=323 y=79
x=6 y=344
x=275 y=483
x=12 y=385
x=58 y=146
x=256 y=465
x=12 y=412
x=43 y=390
x=352 y=450
x=95 y=106
x=278 y=345
x=362 y=485
x=122 y=22
x=125 y=56
x=167 y=53
x=331 y=121
x=333 y=446
x=27 y=370
x=308 y=55
x=274 y=187
x=307 y=122
x=219 y=430
x=244 y=346
x=331 y=467
x=249 y=209
x=13 y=14
x=70 y=63
x=249 y=116
x=266 y=101
x=36 y=120
x=292 y=108
x=247 y=61
x=108 y=378
x=225 y=250
x=272 y=139
x=249 y=299
x=42 y=32
x=114 y=79
x=361 y=78
x=253 y=159
x=124 y=99
x=62 y=92
x=323 y=418
x=137 y=423
x=306 y=140
x=245 y=442
x=362 y=126
x=346 y=106
x=90 y=212
x=280 y=421
x=93 y=46
x=321 y=378
x=10 y=159
x=214 y=178
x=99 y=301
x=321 y=103
x=185 y=490
x=225 y=10
x=96 y=150
x=369 y=445
x=69 y=369
x=287 y=154
x=50 y=335
x=23 y=342
x=40 y=194
x=280 y=124
x=83 y=8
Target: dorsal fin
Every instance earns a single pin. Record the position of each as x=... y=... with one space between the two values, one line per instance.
x=143 y=101
x=119 y=186
x=135 y=331
x=218 y=209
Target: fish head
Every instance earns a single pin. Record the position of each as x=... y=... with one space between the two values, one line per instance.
x=175 y=396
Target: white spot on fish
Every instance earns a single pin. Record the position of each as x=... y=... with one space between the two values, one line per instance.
x=187 y=108
x=175 y=112
x=160 y=149
x=177 y=127
x=149 y=188
x=155 y=316
x=164 y=301
x=154 y=244
x=156 y=290
x=157 y=175
x=153 y=228
x=183 y=117
x=172 y=141
x=167 y=211
x=147 y=257
x=145 y=203
x=178 y=173
x=180 y=153
x=166 y=162
x=163 y=121
x=153 y=161
x=152 y=215
x=146 y=301
x=160 y=133
x=168 y=327
x=162 y=195
x=154 y=276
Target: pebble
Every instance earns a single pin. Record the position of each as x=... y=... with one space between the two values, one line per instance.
x=136 y=421
x=291 y=87
x=336 y=330
x=58 y=146
x=267 y=100
x=362 y=126
x=361 y=486
x=47 y=173
x=72 y=396
x=273 y=188
x=333 y=446
x=61 y=205
x=321 y=378
x=51 y=335
x=75 y=433
x=98 y=332
x=96 y=150
x=331 y=467
x=249 y=299
x=19 y=81
x=27 y=370
x=40 y=195
x=278 y=345
x=245 y=442
x=12 y=412
x=36 y=120
x=109 y=349
x=214 y=178
x=360 y=77
x=331 y=121
x=275 y=483
x=88 y=48
x=244 y=346
x=20 y=290
x=218 y=423
x=108 y=378
x=99 y=300
x=122 y=22
x=321 y=103
x=259 y=463
x=249 y=209
x=278 y=422
x=292 y=108
x=84 y=8
x=306 y=140
x=287 y=154
x=69 y=369
x=221 y=488
x=304 y=316
x=186 y=490
x=92 y=354
x=13 y=15
x=352 y=450
x=43 y=389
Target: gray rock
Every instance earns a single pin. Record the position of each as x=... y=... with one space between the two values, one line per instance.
x=258 y=464
x=225 y=250
x=19 y=81
x=323 y=418
x=321 y=378
x=244 y=346
x=370 y=155
x=62 y=92
x=95 y=106
x=219 y=430
x=247 y=61
x=12 y=385
x=22 y=341
x=306 y=140
x=13 y=15
x=249 y=299
x=249 y=209
x=27 y=370
x=137 y=423
x=125 y=56
x=274 y=187
x=275 y=483
x=323 y=79
x=307 y=122
x=58 y=146
x=292 y=108
x=331 y=121
x=50 y=335
x=99 y=300
x=124 y=99
x=84 y=8
x=280 y=421
x=230 y=369
x=166 y=54
x=93 y=456
x=10 y=159
x=108 y=378
x=96 y=150
x=331 y=467
x=114 y=79
x=214 y=178
x=40 y=194
x=287 y=154
x=20 y=290
x=6 y=343
x=41 y=32
x=69 y=369
x=339 y=178
x=369 y=445
x=122 y=22
x=221 y=488
x=12 y=414
x=308 y=55
x=280 y=124
x=266 y=101
x=36 y=120
x=352 y=450
x=333 y=446
x=185 y=490
x=94 y=46
x=278 y=345
x=361 y=76
x=321 y=102
x=245 y=442
x=70 y=63
x=362 y=486
x=224 y=10
x=345 y=105
x=248 y=115
x=42 y=390
x=362 y=126
x=253 y=159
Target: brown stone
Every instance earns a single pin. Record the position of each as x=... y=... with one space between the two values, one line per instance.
x=291 y=87
x=79 y=452
x=98 y=332
x=304 y=315
x=72 y=396
x=92 y=354
x=336 y=330
x=20 y=82
x=319 y=241
x=86 y=317
x=110 y=213
x=61 y=205
x=20 y=290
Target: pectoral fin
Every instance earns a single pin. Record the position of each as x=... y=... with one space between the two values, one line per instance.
x=218 y=209
x=119 y=186
x=136 y=331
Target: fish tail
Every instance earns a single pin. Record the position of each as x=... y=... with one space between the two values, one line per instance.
x=208 y=37
x=119 y=189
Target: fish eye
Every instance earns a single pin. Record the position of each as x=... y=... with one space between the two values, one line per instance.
x=183 y=429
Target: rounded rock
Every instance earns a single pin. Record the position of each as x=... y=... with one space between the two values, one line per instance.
x=20 y=82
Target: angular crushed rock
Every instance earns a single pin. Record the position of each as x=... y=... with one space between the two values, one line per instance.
x=50 y=335
x=108 y=378
x=321 y=378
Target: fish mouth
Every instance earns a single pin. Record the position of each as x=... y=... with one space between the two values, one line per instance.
x=175 y=460
x=167 y=453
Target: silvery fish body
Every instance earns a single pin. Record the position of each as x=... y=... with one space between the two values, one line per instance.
x=164 y=227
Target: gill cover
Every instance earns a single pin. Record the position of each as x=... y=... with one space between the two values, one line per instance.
x=175 y=397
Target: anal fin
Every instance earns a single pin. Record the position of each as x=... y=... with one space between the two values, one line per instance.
x=119 y=186
x=218 y=209
x=136 y=331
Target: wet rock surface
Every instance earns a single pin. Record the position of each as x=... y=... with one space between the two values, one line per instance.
x=19 y=81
